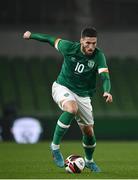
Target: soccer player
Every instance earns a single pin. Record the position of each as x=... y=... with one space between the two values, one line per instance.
x=74 y=88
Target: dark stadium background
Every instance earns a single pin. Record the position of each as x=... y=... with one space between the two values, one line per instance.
x=28 y=68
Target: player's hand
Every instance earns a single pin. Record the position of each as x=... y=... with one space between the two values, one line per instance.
x=27 y=35
x=108 y=97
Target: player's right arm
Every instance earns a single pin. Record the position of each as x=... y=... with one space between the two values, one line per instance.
x=27 y=35
x=61 y=45
x=40 y=37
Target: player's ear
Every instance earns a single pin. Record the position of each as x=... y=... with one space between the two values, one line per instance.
x=81 y=40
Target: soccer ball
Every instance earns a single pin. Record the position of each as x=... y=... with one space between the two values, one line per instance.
x=74 y=164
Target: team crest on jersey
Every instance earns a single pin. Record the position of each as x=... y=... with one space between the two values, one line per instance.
x=73 y=58
x=91 y=63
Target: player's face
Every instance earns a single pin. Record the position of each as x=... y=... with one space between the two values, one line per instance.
x=88 y=45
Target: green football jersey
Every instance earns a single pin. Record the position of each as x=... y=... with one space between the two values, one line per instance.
x=78 y=72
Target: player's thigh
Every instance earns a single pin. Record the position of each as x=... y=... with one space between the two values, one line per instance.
x=85 y=111
x=63 y=97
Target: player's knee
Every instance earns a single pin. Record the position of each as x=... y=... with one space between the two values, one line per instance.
x=71 y=107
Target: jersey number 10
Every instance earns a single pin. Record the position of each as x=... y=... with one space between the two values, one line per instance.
x=79 y=67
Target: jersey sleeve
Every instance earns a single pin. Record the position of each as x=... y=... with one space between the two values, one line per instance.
x=103 y=72
x=102 y=65
x=43 y=38
x=63 y=46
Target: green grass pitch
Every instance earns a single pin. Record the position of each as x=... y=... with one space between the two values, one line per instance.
x=116 y=159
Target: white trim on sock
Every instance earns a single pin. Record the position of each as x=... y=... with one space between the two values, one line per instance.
x=89 y=146
x=62 y=125
x=89 y=161
x=54 y=146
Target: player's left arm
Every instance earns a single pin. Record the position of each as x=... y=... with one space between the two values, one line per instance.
x=106 y=85
x=104 y=75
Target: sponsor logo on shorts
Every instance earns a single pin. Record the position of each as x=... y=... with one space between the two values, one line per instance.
x=66 y=94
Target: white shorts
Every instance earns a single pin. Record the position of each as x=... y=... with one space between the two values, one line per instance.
x=85 y=113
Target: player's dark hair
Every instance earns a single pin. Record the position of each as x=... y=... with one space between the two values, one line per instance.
x=89 y=32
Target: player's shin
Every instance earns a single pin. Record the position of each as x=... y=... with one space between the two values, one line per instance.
x=62 y=126
x=89 y=144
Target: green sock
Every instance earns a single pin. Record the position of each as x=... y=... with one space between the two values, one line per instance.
x=89 y=144
x=62 y=126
